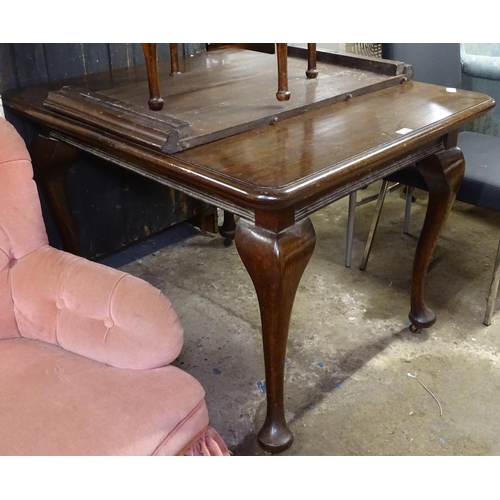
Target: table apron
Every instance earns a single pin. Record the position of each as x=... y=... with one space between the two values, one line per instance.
x=308 y=207
x=179 y=186
x=303 y=207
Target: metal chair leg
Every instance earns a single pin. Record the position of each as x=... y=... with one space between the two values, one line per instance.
x=350 y=228
x=353 y=204
x=409 y=195
x=376 y=217
x=492 y=297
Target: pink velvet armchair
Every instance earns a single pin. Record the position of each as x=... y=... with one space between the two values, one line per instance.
x=84 y=349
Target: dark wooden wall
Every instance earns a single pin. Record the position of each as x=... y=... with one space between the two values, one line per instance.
x=112 y=207
x=23 y=64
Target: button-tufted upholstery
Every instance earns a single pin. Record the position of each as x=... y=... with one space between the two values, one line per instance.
x=84 y=349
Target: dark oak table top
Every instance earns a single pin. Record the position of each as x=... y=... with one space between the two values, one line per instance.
x=329 y=148
x=336 y=148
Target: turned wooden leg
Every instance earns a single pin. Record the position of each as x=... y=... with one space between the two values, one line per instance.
x=443 y=173
x=311 y=72
x=174 y=59
x=228 y=228
x=155 y=101
x=282 y=54
x=275 y=262
x=51 y=161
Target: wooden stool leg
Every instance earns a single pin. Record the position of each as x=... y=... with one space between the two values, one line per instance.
x=155 y=101
x=282 y=54
x=174 y=59
x=311 y=72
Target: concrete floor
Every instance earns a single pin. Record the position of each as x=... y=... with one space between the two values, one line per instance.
x=353 y=369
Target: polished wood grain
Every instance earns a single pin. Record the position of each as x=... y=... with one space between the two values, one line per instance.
x=312 y=71
x=283 y=94
x=199 y=113
x=274 y=175
x=155 y=100
x=51 y=160
x=174 y=59
x=161 y=131
x=443 y=174
x=275 y=262
x=327 y=153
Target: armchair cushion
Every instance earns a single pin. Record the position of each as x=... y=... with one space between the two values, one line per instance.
x=58 y=403
x=8 y=325
x=84 y=349
x=93 y=310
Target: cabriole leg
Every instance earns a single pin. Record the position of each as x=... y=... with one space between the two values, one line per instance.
x=443 y=173
x=275 y=262
x=51 y=161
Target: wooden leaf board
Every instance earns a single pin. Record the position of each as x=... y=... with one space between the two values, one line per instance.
x=223 y=93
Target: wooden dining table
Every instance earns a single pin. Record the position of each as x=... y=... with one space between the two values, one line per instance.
x=222 y=137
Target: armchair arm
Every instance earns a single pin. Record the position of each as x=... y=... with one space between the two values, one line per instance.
x=93 y=310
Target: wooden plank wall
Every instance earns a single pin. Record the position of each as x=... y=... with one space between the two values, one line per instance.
x=112 y=207
x=23 y=64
